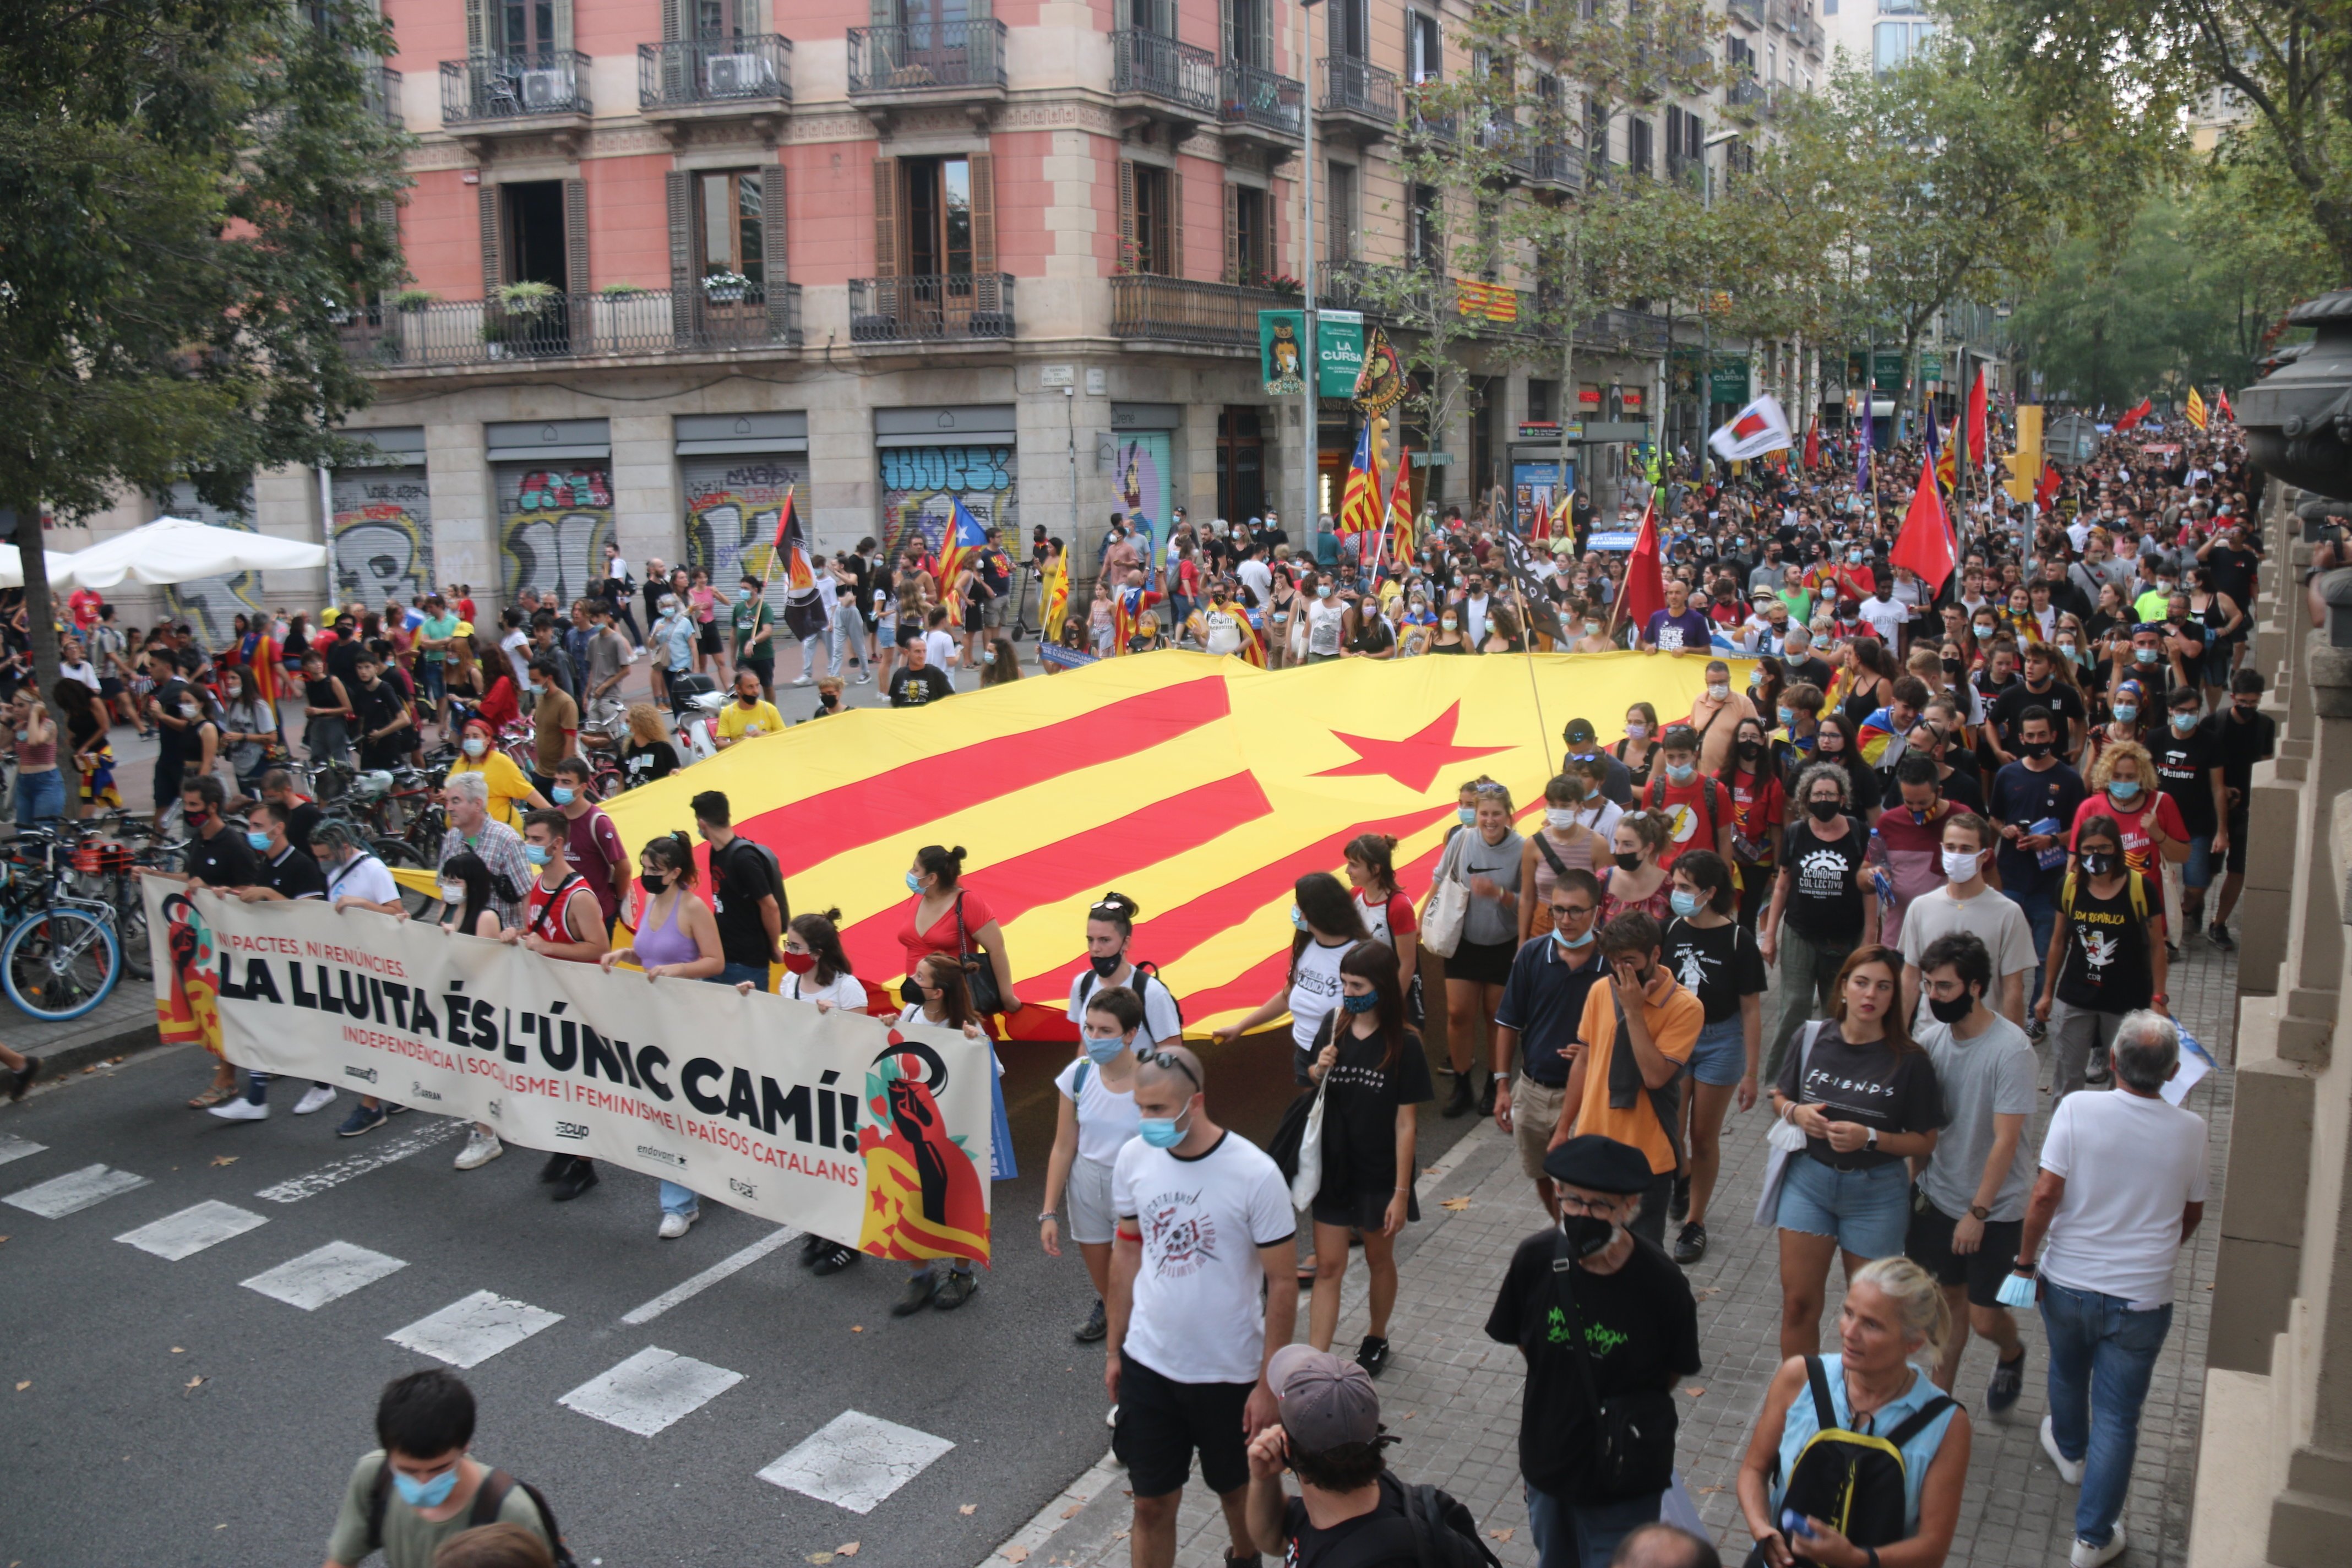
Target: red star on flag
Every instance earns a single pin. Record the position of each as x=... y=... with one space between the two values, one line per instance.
x=1414 y=761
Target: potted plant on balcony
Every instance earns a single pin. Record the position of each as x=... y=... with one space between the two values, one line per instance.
x=520 y=307
x=725 y=287
x=1287 y=286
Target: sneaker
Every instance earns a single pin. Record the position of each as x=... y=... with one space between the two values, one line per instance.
x=961 y=1286
x=803 y=680
x=2221 y=936
x=362 y=1119
x=582 y=1177
x=2172 y=953
x=2069 y=1471
x=2036 y=1029
x=1462 y=1099
x=317 y=1097
x=22 y=1078
x=674 y=1226
x=480 y=1149
x=1486 y=1100
x=1372 y=1354
x=243 y=1111
x=393 y=1108
x=865 y=680
x=813 y=1246
x=1690 y=1243
x=557 y=1167
x=2086 y=1555
x=1678 y=1205
x=2008 y=1382
x=1111 y=1418
x=920 y=1289
x=2096 y=1074
x=834 y=1259
x=1098 y=1324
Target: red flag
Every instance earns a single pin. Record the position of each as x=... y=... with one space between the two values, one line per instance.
x=2222 y=406
x=2045 y=489
x=1975 y=417
x=1813 y=445
x=1925 y=545
x=2136 y=415
x=1645 y=582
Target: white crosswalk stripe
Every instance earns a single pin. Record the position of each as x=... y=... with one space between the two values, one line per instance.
x=335 y=1172
x=651 y=1390
x=75 y=1191
x=470 y=1331
x=15 y=1147
x=189 y=1232
x=328 y=1274
x=855 y=1460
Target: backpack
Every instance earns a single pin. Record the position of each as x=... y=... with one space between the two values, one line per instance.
x=1433 y=1532
x=487 y=1499
x=775 y=875
x=1656 y=795
x=1144 y=969
x=1851 y=1481
x=2137 y=881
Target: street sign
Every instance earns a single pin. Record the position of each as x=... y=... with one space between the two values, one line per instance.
x=1433 y=459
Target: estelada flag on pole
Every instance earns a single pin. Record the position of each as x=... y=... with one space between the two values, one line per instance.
x=792 y=549
x=2195 y=409
x=1646 y=584
x=2045 y=489
x=1976 y=420
x=1925 y=545
x=964 y=541
x=1360 y=500
x=2138 y=413
x=1401 y=542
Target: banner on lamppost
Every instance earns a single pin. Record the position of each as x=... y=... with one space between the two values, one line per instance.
x=1339 y=349
x=1282 y=352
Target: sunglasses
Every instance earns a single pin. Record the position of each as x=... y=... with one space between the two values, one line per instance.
x=1172 y=1062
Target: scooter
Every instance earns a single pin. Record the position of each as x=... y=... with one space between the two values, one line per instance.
x=694 y=704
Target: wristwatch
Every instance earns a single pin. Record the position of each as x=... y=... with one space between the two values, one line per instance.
x=1978 y=1213
x=1870 y=1138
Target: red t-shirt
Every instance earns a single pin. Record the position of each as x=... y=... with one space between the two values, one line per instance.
x=1692 y=825
x=85 y=603
x=941 y=938
x=1387 y=919
x=592 y=845
x=2133 y=824
x=1757 y=809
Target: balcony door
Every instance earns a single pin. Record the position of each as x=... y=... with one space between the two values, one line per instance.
x=1351 y=36
x=527 y=28
x=719 y=21
x=1249 y=32
x=935 y=232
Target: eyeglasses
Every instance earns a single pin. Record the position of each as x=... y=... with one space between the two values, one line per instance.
x=1170 y=1060
x=1571 y=911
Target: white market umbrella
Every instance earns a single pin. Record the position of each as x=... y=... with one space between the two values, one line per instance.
x=12 y=565
x=180 y=550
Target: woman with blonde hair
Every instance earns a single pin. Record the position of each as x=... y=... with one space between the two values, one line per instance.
x=650 y=755
x=1891 y=1328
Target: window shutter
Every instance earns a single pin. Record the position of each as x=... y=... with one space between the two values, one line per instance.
x=772 y=249
x=984 y=213
x=1262 y=33
x=387 y=220
x=575 y=264
x=882 y=14
x=673 y=23
x=477 y=43
x=494 y=260
x=886 y=217
x=683 y=291
x=1175 y=266
x=1233 y=234
x=1231 y=50
x=1125 y=215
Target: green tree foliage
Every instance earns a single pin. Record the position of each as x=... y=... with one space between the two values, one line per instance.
x=192 y=195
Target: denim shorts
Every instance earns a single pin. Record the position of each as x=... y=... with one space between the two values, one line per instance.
x=1869 y=1211
x=1719 y=1055
x=2197 y=871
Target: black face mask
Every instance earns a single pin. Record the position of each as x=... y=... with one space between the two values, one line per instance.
x=1953 y=667
x=1824 y=810
x=1751 y=748
x=1587 y=1233
x=2098 y=865
x=1626 y=862
x=2037 y=750
x=1105 y=968
x=1951 y=1012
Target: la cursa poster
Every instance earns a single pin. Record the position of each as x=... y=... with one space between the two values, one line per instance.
x=865 y=1132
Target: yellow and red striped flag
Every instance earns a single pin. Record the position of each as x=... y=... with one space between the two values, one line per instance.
x=1359 y=501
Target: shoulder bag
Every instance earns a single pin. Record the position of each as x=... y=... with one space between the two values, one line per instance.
x=1449 y=905
x=1786 y=1140
x=979 y=969
x=1633 y=1433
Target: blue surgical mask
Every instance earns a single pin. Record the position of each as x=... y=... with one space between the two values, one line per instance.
x=427 y=1494
x=1684 y=904
x=1681 y=774
x=2183 y=723
x=2123 y=789
x=1788 y=717
x=1297 y=919
x=1573 y=942
x=563 y=794
x=1161 y=1131
x=2127 y=711
x=1101 y=1051
x=1468 y=813
x=914 y=883
x=2146 y=655
x=535 y=854
x=260 y=841
x=1363 y=1003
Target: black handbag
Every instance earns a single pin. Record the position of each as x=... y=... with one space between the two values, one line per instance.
x=1633 y=1433
x=979 y=973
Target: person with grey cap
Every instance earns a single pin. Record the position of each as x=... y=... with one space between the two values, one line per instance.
x=1584 y=745
x=1607 y=1324
x=1352 y=1511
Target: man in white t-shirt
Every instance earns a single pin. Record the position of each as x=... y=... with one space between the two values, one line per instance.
x=2122 y=1188
x=1964 y=904
x=1256 y=579
x=1885 y=615
x=1204 y=1223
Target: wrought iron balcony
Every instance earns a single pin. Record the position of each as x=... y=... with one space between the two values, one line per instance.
x=1556 y=164
x=614 y=324
x=715 y=73
x=550 y=85
x=380 y=89
x=1636 y=333
x=933 y=308
x=1151 y=66
x=1361 y=94
x=1743 y=92
x=1748 y=11
x=1257 y=102
x=928 y=59
x=1187 y=310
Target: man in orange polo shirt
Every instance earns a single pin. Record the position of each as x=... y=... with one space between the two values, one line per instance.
x=1626 y=1090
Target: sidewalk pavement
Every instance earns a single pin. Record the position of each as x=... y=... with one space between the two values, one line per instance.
x=1452 y=1395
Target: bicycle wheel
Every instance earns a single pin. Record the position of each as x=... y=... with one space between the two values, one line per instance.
x=59 y=963
x=398 y=853
x=131 y=928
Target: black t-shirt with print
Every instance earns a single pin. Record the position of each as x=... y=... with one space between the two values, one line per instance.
x=1824 y=906
x=2106 y=961
x=1309 y=1547
x=1641 y=1332
x=646 y=761
x=2243 y=743
x=2184 y=770
x=1872 y=1084
x=293 y=875
x=1718 y=965
x=223 y=860
x=1360 y=1106
x=2063 y=700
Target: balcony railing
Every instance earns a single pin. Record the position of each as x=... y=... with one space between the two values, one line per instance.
x=927 y=56
x=1637 y=333
x=1157 y=67
x=1256 y=98
x=1358 y=87
x=553 y=83
x=695 y=73
x=573 y=326
x=933 y=307
x=380 y=90
x=1748 y=11
x=1187 y=310
x=1809 y=34
x=1743 y=92
x=1556 y=164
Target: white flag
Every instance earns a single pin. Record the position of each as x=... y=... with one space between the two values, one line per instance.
x=1758 y=428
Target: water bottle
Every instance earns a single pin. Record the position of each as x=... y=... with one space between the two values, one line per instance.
x=1878 y=875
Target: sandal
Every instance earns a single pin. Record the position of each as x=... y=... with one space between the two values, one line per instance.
x=216 y=1094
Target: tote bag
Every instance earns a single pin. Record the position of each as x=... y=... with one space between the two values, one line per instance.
x=1448 y=907
x=1786 y=1140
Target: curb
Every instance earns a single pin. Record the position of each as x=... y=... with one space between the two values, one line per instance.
x=77 y=1053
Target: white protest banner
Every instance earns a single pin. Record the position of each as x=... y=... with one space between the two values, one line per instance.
x=868 y=1134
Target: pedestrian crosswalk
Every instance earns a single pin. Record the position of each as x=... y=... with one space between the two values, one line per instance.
x=189 y=1232
x=328 y=1274
x=470 y=1330
x=15 y=1147
x=855 y=1460
x=651 y=1390
x=75 y=1191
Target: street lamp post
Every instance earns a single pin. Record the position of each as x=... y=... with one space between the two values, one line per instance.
x=1310 y=427
x=1706 y=307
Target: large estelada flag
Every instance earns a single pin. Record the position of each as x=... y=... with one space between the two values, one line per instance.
x=1359 y=499
x=963 y=542
x=1199 y=786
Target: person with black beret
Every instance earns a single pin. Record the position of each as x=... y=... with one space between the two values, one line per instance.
x=1607 y=1325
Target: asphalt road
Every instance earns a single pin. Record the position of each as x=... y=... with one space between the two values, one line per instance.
x=163 y=1411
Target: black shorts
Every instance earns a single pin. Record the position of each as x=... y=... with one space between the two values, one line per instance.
x=974 y=617
x=168 y=776
x=1929 y=1244
x=1488 y=962
x=1360 y=1211
x=2235 y=861
x=706 y=639
x=1161 y=1422
x=908 y=636
x=110 y=686
x=765 y=669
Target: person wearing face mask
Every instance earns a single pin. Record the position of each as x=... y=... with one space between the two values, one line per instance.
x=1217 y=625
x=281 y=873
x=1716 y=959
x=1715 y=714
x=1566 y=842
x=2106 y=957
x=423 y=1487
x=1371 y=1070
x=1487 y=859
x=2187 y=763
x=751 y=715
x=2032 y=804
x=218 y=858
x=2151 y=822
x=1616 y=781
x=1327 y=921
x=2244 y=735
x=1966 y=904
x=1591 y=1280
x=1110 y=927
x=561 y=919
x=1537 y=1020
x=510 y=792
x=1818 y=910
x=1317 y=636
x=1695 y=805
x=1759 y=814
x=1094 y=1120
x=954 y=922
